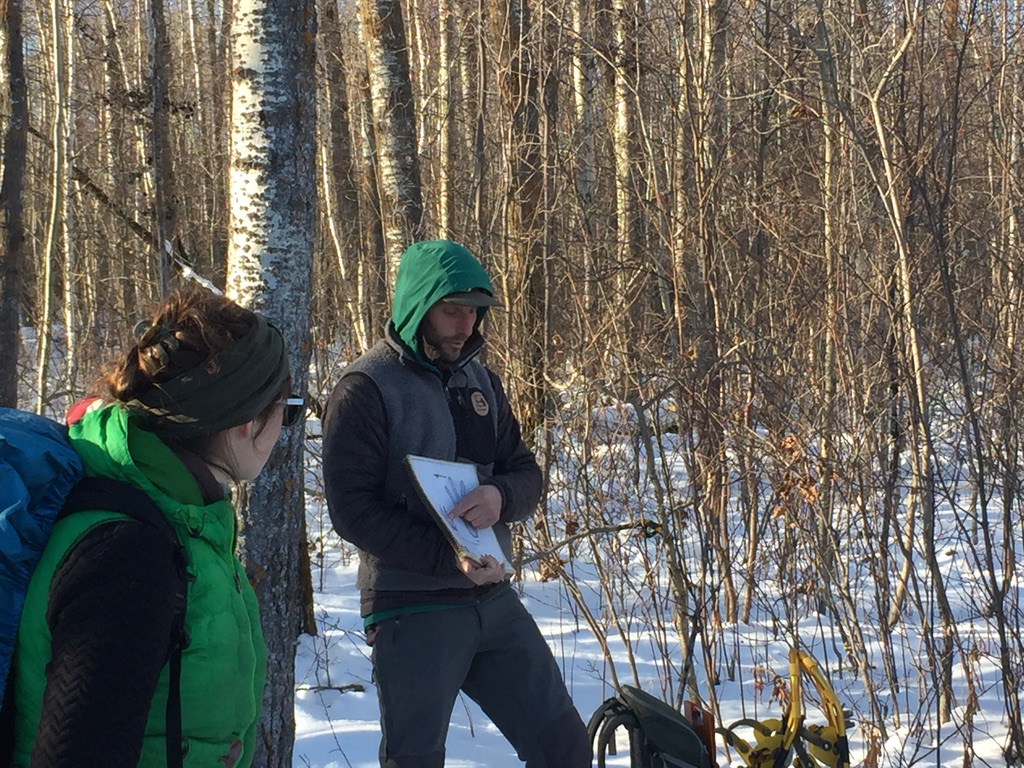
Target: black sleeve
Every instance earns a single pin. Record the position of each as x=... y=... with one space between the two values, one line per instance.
x=355 y=468
x=516 y=473
x=110 y=614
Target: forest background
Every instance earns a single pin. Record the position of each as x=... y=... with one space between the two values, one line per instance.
x=785 y=231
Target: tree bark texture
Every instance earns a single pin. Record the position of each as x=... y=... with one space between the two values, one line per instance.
x=271 y=233
x=11 y=201
x=340 y=175
x=164 y=193
x=394 y=127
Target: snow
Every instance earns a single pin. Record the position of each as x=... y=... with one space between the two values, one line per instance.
x=337 y=726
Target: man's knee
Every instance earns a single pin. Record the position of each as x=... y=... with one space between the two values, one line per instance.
x=564 y=742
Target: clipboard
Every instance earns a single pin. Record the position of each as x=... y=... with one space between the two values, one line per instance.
x=442 y=484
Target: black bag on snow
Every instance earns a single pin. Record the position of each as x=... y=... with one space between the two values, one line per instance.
x=659 y=736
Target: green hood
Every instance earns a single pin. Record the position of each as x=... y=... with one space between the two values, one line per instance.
x=429 y=271
x=111 y=443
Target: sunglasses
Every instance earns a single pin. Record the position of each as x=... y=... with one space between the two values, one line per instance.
x=293 y=408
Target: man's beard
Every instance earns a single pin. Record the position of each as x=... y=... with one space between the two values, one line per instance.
x=441 y=351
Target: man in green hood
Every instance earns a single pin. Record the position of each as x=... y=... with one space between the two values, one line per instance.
x=438 y=624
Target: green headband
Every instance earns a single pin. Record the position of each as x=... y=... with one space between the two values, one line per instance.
x=247 y=377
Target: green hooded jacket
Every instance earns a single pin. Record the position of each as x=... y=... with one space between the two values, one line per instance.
x=429 y=271
x=224 y=666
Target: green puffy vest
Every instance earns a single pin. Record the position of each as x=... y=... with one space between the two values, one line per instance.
x=224 y=668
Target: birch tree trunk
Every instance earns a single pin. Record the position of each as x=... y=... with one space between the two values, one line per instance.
x=394 y=127
x=271 y=235
x=60 y=141
x=480 y=176
x=69 y=248
x=447 y=63
x=625 y=77
x=11 y=200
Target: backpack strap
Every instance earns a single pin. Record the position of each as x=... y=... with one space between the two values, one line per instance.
x=611 y=715
x=108 y=494
x=7 y=723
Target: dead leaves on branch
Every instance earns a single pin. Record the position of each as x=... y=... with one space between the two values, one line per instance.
x=796 y=486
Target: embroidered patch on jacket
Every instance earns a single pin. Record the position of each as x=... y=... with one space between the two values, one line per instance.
x=480 y=403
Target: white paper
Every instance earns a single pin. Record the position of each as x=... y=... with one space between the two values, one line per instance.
x=443 y=484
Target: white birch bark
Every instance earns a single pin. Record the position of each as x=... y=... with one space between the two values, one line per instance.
x=446 y=109
x=624 y=38
x=68 y=246
x=271 y=232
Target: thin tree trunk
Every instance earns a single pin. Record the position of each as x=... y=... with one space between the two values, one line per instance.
x=520 y=90
x=160 y=141
x=585 y=78
x=394 y=123
x=418 y=70
x=68 y=247
x=137 y=83
x=480 y=178
x=702 y=71
x=826 y=534
x=753 y=515
x=60 y=138
x=217 y=35
x=339 y=175
x=922 y=452
x=12 y=202
x=447 y=63
x=373 y=267
x=124 y=152
x=624 y=24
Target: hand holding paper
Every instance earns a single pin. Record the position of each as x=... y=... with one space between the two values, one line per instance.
x=481 y=507
x=489 y=571
x=443 y=485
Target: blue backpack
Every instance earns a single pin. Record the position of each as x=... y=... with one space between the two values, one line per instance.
x=41 y=481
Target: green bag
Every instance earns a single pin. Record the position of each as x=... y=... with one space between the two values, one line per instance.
x=659 y=736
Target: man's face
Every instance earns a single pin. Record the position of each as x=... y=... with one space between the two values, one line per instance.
x=445 y=329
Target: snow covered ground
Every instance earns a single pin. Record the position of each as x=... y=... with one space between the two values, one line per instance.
x=336 y=707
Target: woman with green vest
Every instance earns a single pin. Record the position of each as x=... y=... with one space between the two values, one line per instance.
x=193 y=409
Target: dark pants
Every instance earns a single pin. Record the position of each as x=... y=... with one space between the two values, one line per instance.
x=495 y=653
